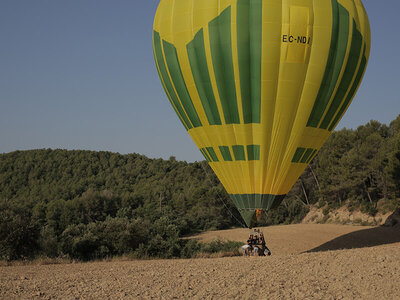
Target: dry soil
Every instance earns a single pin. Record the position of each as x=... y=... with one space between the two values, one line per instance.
x=308 y=262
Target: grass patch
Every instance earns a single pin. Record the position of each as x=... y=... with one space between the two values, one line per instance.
x=219 y=248
x=40 y=261
x=213 y=249
x=192 y=249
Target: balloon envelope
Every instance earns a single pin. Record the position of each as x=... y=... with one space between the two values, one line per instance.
x=260 y=84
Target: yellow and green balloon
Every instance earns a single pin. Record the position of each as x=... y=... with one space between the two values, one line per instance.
x=260 y=84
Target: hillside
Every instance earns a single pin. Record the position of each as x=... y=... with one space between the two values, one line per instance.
x=86 y=205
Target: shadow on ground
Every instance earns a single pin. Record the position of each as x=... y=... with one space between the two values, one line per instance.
x=363 y=238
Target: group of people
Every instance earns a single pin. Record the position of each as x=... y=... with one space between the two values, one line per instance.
x=256 y=245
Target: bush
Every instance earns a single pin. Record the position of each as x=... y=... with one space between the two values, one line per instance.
x=326 y=211
x=191 y=249
x=369 y=208
x=18 y=235
x=115 y=236
x=48 y=243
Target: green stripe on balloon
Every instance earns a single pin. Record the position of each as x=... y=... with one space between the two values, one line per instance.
x=201 y=150
x=238 y=152
x=175 y=71
x=253 y=152
x=306 y=155
x=165 y=89
x=350 y=70
x=167 y=82
x=252 y=201
x=198 y=63
x=298 y=155
x=226 y=153
x=212 y=154
x=337 y=53
x=221 y=52
x=204 y=152
x=249 y=39
x=311 y=156
x=352 y=91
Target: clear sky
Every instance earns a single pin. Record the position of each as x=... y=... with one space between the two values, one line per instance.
x=79 y=74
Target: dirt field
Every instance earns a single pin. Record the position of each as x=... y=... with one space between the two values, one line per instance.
x=306 y=263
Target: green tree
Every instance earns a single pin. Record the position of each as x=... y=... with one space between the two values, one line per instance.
x=18 y=235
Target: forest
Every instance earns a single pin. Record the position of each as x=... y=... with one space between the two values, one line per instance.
x=90 y=205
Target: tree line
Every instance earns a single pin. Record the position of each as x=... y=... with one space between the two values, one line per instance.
x=356 y=168
x=86 y=204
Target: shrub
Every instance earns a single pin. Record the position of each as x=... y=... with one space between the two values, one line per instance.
x=18 y=235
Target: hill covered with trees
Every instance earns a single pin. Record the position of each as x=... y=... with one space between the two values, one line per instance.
x=85 y=204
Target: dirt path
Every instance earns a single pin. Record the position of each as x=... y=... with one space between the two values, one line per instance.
x=362 y=273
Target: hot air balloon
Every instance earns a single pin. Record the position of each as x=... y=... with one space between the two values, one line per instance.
x=260 y=84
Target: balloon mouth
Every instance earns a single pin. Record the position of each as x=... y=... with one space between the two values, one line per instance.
x=255 y=218
x=251 y=206
x=258 y=214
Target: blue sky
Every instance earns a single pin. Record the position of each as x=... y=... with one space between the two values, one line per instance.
x=79 y=74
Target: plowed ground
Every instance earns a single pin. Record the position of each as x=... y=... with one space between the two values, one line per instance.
x=307 y=262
